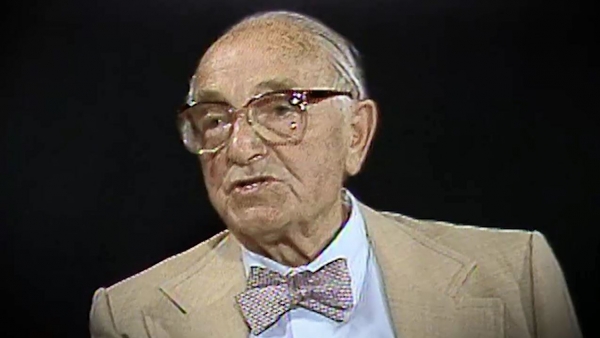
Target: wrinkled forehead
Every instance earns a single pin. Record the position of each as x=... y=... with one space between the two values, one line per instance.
x=254 y=60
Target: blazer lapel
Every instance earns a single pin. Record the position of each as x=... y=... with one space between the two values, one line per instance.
x=421 y=281
x=204 y=296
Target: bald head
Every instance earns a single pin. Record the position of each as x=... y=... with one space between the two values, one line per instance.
x=299 y=38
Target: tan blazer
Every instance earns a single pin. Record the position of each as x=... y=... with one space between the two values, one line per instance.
x=441 y=280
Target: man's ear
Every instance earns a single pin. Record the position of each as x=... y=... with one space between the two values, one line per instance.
x=363 y=122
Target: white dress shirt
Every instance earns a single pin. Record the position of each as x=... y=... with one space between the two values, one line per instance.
x=368 y=318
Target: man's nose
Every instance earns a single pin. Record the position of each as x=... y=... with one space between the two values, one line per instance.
x=245 y=145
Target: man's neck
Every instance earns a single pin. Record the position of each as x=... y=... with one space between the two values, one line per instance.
x=303 y=242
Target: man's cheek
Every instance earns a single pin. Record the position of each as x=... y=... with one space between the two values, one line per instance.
x=212 y=174
x=213 y=183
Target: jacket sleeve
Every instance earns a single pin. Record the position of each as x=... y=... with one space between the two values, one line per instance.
x=102 y=323
x=553 y=312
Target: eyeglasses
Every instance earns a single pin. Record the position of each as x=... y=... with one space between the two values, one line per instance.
x=278 y=117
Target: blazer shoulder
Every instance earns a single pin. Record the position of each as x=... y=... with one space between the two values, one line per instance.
x=119 y=307
x=465 y=236
x=140 y=284
x=493 y=249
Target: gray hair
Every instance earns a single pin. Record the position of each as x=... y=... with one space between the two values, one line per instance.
x=344 y=56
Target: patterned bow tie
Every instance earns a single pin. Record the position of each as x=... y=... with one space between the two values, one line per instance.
x=269 y=295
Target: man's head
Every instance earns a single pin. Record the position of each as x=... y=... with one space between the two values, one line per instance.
x=262 y=179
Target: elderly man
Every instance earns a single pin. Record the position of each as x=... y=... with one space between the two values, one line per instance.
x=278 y=116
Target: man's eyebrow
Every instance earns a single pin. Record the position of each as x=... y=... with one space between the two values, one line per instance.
x=209 y=95
x=274 y=84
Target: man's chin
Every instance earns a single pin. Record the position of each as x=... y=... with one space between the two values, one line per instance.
x=265 y=201
x=263 y=213
x=257 y=219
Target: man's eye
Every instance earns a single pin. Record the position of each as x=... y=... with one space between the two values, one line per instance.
x=283 y=109
x=211 y=122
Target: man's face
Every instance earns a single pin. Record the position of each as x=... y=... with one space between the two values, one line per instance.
x=305 y=178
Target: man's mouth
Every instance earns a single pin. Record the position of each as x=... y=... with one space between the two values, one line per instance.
x=251 y=184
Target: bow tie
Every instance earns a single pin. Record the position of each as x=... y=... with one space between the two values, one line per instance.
x=269 y=295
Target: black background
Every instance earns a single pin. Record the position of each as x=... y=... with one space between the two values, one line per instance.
x=487 y=118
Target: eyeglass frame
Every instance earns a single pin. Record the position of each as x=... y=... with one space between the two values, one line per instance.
x=304 y=98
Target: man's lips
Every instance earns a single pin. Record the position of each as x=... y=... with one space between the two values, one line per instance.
x=249 y=183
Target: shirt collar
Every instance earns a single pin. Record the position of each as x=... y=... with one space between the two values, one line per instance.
x=350 y=243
